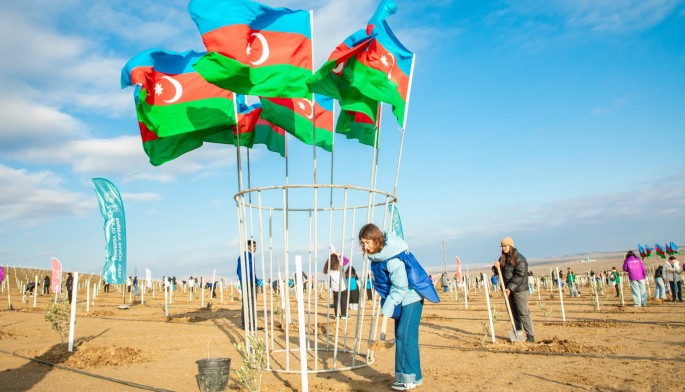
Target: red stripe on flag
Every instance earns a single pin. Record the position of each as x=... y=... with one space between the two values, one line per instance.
x=378 y=57
x=168 y=89
x=281 y=48
x=324 y=118
x=360 y=117
x=342 y=53
x=275 y=128
x=139 y=75
x=145 y=133
x=300 y=106
x=247 y=121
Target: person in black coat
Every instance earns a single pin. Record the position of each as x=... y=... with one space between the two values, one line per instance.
x=515 y=274
x=69 y=283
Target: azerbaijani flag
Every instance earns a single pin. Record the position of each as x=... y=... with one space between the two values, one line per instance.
x=253 y=48
x=300 y=116
x=643 y=254
x=357 y=125
x=370 y=65
x=383 y=71
x=668 y=248
x=247 y=118
x=674 y=248
x=660 y=251
x=270 y=135
x=333 y=80
x=648 y=250
x=177 y=109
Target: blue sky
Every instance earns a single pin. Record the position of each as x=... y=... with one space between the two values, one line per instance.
x=559 y=123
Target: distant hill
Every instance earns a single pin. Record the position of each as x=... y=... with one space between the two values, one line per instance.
x=596 y=257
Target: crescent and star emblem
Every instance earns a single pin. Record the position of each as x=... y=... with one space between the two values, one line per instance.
x=385 y=62
x=339 y=68
x=301 y=104
x=265 y=49
x=178 y=89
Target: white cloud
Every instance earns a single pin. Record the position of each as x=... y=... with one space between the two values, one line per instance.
x=24 y=123
x=144 y=196
x=615 y=105
x=33 y=198
x=125 y=158
x=641 y=202
x=617 y=16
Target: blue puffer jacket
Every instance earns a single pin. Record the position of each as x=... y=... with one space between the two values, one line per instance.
x=399 y=278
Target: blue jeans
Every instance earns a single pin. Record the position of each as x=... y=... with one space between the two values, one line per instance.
x=639 y=293
x=676 y=289
x=407 y=358
x=660 y=289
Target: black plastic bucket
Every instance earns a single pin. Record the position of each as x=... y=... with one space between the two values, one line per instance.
x=212 y=374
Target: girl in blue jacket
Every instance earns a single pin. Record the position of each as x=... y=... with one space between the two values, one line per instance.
x=402 y=295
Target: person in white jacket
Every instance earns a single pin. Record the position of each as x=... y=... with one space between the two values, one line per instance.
x=672 y=271
x=337 y=285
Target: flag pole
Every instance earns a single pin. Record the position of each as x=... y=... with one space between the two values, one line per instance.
x=404 y=126
x=239 y=166
x=316 y=221
x=374 y=162
x=313 y=102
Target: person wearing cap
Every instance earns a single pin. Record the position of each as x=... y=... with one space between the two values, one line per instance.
x=514 y=268
x=672 y=271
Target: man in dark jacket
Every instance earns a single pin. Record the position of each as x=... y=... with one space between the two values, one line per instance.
x=515 y=274
x=250 y=285
x=69 y=284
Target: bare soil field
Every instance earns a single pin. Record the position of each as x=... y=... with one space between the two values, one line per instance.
x=613 y=348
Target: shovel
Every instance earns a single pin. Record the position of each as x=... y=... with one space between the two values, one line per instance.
x=514 y=335
x=383 y=343
x=384 y=328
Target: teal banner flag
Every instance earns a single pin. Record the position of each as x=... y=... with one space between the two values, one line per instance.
x=112 y=209
x=396 y=222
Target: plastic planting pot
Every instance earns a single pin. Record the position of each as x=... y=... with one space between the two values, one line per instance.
x=212 y=374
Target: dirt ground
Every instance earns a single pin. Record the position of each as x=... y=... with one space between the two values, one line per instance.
x=615 y=348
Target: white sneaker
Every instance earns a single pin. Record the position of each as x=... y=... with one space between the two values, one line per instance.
x=399 y=386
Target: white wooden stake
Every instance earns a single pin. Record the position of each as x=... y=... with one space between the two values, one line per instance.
x=561 y=297
x=300 y=318
x=594 y=283
x=87 y=296
x=202 y=293
x=9 y=297
x=487 y=301
x=466 y=303
x=35 y=291
x=166 y=299
x=142 y=294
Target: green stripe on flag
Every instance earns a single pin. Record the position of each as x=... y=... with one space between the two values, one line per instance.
x=169 y=120
x=281 y=80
